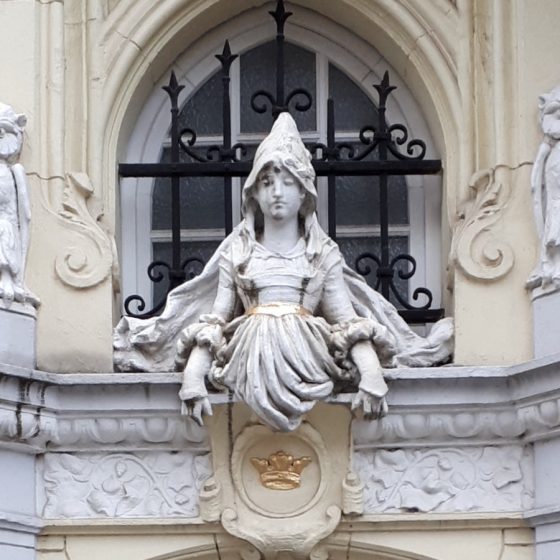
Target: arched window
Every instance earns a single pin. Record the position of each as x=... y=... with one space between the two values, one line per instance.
x=329 y=62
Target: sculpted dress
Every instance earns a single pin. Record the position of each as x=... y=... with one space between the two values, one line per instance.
x=278 y=356
x=9 y=235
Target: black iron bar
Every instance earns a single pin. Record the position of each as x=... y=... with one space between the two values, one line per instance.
x=418 y=316
x=242 y=168
x=279 y=66
x=226 y=59
x=281 y=101
x=280 y=15
x=176 y=273
x=385 y=272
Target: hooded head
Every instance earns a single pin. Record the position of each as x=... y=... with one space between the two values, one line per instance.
x=283 y=147
x=549 y=113
x=11 y=133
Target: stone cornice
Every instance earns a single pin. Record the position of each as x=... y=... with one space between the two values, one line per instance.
x=366 y=523
x=20 y=523
x=543 y=516
x=462 y=405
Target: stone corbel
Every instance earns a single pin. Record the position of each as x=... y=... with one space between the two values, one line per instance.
x=281 y=492
x=210 y=500
x=352 y=495
x=92 y=256
x=475 y=249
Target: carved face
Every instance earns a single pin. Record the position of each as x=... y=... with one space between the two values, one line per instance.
x=10 y=133
x=278 y=193
x=551 y=120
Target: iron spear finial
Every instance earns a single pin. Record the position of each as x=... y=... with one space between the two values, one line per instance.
x=280 y=15
x=226 y=58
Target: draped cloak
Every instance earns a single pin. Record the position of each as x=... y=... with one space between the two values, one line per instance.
x=150 y=345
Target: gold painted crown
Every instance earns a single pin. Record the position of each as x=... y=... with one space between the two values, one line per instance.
x=280 y=471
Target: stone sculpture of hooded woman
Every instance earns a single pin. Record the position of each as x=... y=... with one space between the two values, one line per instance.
x=276 y=316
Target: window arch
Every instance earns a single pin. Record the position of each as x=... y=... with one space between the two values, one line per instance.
x=328 y=60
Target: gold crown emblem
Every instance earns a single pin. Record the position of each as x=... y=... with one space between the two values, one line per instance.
x=280 y=471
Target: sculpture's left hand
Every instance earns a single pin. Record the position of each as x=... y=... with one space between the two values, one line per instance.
x=195 y=408
x=372 y=406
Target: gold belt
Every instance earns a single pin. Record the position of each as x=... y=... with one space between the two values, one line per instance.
x=278 y=309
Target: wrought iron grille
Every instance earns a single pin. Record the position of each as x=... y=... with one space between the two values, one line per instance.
x=396 y=155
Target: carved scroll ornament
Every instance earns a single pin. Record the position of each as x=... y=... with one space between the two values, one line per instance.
x=475 y=249
x=93 y=256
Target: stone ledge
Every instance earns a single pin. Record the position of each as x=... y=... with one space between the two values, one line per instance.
x=449 y=417
x=542 y=365
x=365 y=523
x=451 y=405
x=17 y=522
x=542 y=516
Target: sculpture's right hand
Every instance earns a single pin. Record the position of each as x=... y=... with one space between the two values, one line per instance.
x=195 y=408
x=193 y=391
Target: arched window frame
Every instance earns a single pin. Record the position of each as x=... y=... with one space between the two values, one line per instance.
x=331 y=43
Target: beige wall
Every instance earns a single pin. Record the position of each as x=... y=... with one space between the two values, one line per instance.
x=81 y=70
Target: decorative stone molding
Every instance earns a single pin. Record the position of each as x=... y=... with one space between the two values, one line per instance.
x=352 y=495
x=482 y=479
x=303 y=505
x=135 y=432
x=474 y=405
x=90 y=412
x=28 y=426
x=433 y=427
x=475 y=250
x=93 y=257
x=91 y=415
x=20 y=522
x=123 y=485
x=504 y=424
x=210 y=500
x=456 y=439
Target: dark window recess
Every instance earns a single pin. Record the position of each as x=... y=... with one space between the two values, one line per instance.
x=364 y=174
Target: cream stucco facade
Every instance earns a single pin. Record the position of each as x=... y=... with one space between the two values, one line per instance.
x=82 y=70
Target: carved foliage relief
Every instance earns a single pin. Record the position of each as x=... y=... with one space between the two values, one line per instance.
x=91 y=257
x=476 y=249
x=163 y=484
x=442 y=480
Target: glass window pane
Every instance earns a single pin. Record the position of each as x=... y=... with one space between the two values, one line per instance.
x=353 y=249
x=201 y=250
x=258 y=72
x=202 y=112
x=201 y=199
x=353 y=109
x=357 y=200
